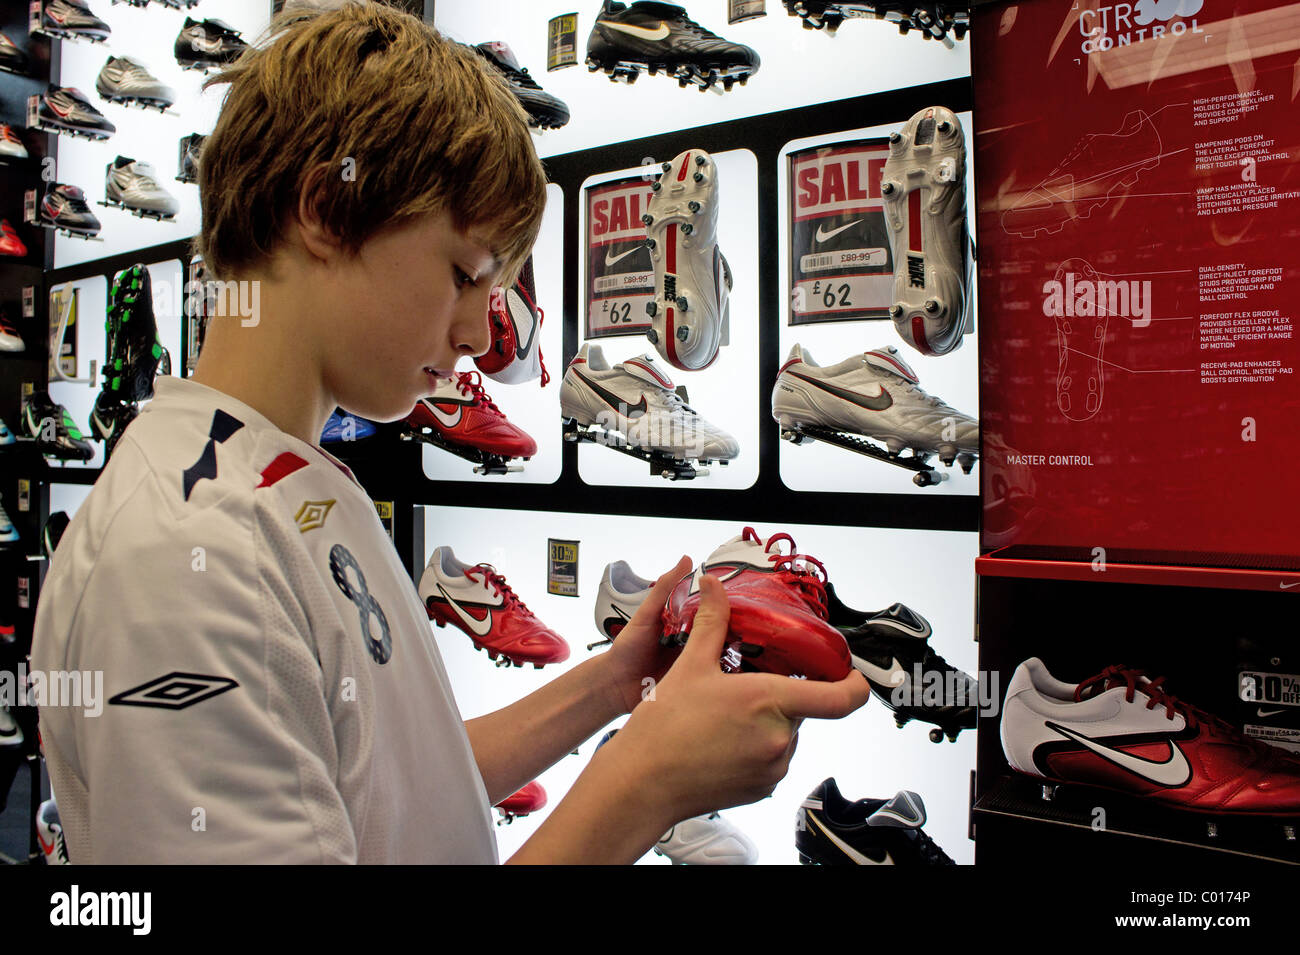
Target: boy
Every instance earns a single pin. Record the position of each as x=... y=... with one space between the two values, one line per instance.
x=275 y=694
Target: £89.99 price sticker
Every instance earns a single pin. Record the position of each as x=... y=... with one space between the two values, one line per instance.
x=840 y=264
x=620 y=273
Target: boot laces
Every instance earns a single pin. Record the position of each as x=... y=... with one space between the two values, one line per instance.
x=806 y=574
x=488 y=575
x=471 y=383
x=1131 y=677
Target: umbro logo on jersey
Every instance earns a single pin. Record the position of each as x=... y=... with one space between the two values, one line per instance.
x=312 y=515
x=480 y=627
x=823 y=235
x=175 y=691
x=611 y=259
x=645 y=33
x=871 y=402
x=614 y=401
x=1173 y=771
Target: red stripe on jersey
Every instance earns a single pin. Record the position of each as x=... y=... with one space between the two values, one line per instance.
x=284 y=465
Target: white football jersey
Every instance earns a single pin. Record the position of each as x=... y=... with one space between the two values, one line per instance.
x=272 y=689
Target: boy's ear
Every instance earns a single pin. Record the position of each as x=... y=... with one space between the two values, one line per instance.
x=318 y=239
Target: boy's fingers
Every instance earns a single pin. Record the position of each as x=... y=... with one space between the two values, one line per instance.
x=654 y=602
x=821 y=700
x=709 y=630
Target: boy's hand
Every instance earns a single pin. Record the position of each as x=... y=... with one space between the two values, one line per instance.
x=636 y=655
x=707 y=740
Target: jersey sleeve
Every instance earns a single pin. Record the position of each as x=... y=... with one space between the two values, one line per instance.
x=212 y=740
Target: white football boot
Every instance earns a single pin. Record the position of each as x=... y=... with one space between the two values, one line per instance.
x=690 y=312
x=636 y=400
x=49 y=829
x=622 y=590
x=134 y=186
x=877 y=395
x=924 y=187
x=11 y=734
x=707 y=840
x=123 y=80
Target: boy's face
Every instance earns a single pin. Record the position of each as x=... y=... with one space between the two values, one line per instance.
x=410 y=304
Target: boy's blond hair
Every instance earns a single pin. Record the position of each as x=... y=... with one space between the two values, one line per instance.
x=385 y=119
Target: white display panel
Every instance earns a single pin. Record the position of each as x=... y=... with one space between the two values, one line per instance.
x=92 y=307
x=816 y=466
x=147 y=35
x=528 y=405
x=799 y=67
x=725 y=393
x=930 y=571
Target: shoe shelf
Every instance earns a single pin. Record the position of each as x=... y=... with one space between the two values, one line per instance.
x=1032 y=800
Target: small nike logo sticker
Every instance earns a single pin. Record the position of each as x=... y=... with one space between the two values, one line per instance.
x=1265 y=715
x=480 y=627
x=611 y=259
x=872 y=403
x=645 y=33
x=1174 y=771
x=823 y=235
x=1294 y=583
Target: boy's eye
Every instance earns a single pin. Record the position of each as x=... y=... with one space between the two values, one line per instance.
x=463 y=278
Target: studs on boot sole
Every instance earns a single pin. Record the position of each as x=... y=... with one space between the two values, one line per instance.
x=650 y=309
x=647 y=220
x=683 y=333
x=687 y=228
x=693 y=206
x=932 y=306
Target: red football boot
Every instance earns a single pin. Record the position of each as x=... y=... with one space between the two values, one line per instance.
x=778 y=609
x=529 y=799
x=10 y=243
x=516 y=353
x=1121 y=731
x=477 y=600
x=461 y=418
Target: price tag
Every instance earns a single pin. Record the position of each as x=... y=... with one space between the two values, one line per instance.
x=562 y=42
x=562 y=567
x=1269 y=689
x=29 y=301
x=840 y=263
x=24 y=592
x=620 y=272
x=738 y=10
x=33 y=111
x=385 y=511
x=24 y=494
x=34 y=16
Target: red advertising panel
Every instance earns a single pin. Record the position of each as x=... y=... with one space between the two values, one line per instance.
x=1139 y=247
